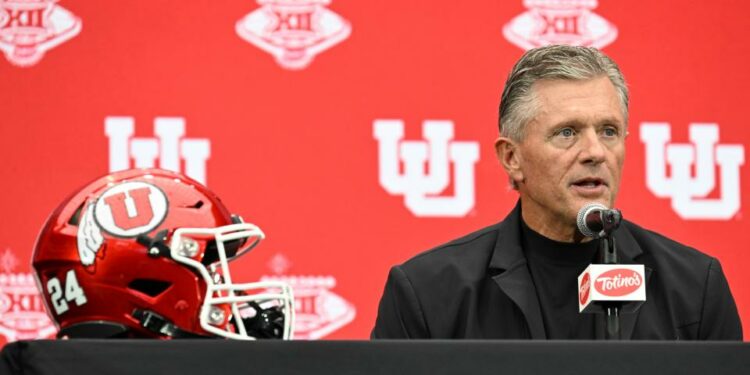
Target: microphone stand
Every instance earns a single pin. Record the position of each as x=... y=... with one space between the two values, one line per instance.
x=608 y=255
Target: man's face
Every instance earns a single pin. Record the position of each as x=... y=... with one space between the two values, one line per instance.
x=572 y=151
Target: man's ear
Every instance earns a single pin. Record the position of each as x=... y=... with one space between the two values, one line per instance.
x=508 y=154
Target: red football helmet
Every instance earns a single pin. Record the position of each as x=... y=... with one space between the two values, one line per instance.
x=145 y=253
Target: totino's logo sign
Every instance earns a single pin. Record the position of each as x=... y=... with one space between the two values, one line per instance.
x=29 y=28
x=584 y=290
x=293 y=31
x=600 y=284
x=169 y=147
x=571 y=22
x=617 y=282
x=441 y=154
x=688 y=190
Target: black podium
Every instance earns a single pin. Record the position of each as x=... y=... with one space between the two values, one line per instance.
x=208 y=357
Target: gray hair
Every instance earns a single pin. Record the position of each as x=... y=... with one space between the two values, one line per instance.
x=518 y=104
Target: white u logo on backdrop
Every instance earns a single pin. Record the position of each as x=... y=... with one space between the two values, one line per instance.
x=438 y=151
x=170 y=147
x=688 y=192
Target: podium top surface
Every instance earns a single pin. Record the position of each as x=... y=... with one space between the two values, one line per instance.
x=144 y=357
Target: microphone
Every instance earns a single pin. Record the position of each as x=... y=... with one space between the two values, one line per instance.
x=597 y=221
x=608 y=287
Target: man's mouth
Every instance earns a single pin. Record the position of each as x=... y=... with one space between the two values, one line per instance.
x=589 y=183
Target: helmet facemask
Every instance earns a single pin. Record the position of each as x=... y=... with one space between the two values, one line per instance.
x=237 y=311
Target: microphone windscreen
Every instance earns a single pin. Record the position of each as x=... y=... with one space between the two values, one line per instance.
x=581 y=219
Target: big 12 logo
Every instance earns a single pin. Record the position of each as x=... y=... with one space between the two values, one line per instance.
x=571 y=22
x=29 y=28
x=688 y=192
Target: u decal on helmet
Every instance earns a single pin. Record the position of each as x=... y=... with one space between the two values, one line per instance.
x=130 y=209
x=126 y=210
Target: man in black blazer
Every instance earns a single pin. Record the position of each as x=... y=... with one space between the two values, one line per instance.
x=563 y=123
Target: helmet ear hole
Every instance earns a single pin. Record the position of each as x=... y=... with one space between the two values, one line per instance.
x=149 y=287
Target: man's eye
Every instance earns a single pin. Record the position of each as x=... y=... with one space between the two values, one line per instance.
x=610 y=132
x=567 y=132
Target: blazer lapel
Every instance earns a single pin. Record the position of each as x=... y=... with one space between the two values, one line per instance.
x=508 y=264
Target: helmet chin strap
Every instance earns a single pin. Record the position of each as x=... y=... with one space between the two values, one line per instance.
x=162 y=326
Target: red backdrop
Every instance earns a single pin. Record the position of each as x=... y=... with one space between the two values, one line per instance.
x=280 y=101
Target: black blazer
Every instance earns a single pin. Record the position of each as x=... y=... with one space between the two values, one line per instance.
x=479 y=287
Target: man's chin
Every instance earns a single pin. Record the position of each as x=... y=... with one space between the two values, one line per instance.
x=582 y=197
x=583 y=201
x=598 y=193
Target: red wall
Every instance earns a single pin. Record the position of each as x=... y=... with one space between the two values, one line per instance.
x=292 y=144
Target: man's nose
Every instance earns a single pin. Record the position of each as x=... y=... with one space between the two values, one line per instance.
x=592 y=148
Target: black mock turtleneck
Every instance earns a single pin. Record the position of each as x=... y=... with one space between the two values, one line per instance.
x=554 y=268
